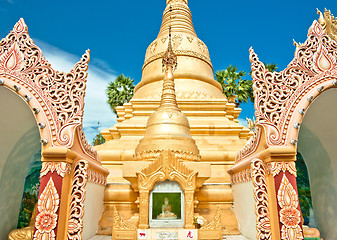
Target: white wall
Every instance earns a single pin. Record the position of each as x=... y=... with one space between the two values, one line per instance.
x=244 y=208
x=19 y=142
x=93 y=208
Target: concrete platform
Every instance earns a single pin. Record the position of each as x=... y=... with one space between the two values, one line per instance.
x=225 y=237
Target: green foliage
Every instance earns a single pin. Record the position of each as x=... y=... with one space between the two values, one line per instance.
x=303 y=186
x=120 y=91
x=234 y=86
x=28 y=203
x=29 y=199
x=271 y=67
x=98 y=140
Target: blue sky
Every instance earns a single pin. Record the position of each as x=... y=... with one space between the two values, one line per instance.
x=118 y=33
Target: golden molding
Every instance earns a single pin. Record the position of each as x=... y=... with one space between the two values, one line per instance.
x=96 y=177
x=243 y=176
x=183 y=53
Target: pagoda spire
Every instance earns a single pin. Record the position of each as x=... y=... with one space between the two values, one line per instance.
x=168 y=128
x=177 y=15
x=169 y=64
x=168 y=2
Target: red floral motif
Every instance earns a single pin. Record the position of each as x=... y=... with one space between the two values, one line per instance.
x=46 y=221
x=290 y=216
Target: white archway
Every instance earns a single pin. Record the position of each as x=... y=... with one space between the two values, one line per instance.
x=19 y=141
x=317 y=143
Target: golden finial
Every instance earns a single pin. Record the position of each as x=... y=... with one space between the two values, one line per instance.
x=328 y=22
x=169 y=58
x=176 y=1
x=321 y=18
x=168 y=97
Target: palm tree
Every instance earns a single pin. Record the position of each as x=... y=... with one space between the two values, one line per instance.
x=236 y=89
x=120 y=91
x=271 y=67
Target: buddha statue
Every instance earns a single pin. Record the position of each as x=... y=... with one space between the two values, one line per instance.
x=24 y=233
x=166 y=211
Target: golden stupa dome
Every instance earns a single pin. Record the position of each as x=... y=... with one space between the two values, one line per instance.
x=194 y=75
x=168 y=128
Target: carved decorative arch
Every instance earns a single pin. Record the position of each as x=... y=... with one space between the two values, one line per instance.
x=55 y=98
x=280 y=95
x=57 y=101
x=282 y=98
x=281 y=101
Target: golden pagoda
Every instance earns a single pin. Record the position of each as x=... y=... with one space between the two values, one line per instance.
x=209 y=134
x=169 y=161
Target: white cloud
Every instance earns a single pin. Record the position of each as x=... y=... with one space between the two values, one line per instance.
x=243 y=121
x=99 y=75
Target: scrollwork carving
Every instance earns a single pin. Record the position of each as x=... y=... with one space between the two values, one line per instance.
x=76 y=211
x=276 y=167
x=277 y=93
x=61 y=95
x=60 y=167
x=261 y=200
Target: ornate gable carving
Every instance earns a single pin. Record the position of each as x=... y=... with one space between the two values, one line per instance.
x=59 y=94
x=277 y=93
x=167 y=166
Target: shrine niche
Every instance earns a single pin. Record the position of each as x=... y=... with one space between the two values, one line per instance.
x=167 y=203
x=166 y=167
x=47 y=106
x=294 y=113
